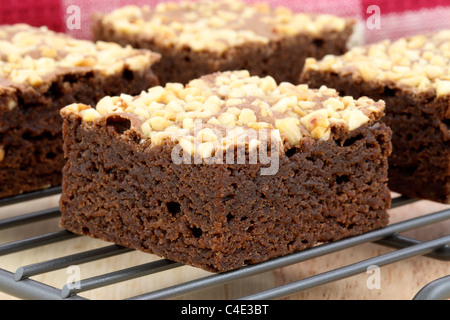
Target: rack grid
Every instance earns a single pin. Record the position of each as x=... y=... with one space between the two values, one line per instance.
x=19 y=283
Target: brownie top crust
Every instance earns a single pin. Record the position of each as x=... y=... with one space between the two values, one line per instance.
x=219 y=109
x=419 y=64
x=217 y=25
x=33 y=57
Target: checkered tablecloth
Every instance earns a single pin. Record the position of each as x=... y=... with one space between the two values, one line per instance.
x=396 y=18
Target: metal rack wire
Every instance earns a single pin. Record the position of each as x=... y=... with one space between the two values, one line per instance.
x=19 y=283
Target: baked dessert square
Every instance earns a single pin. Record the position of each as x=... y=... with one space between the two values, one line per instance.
x=228 y=170
x=412 y=75
x=197 y=38
x=42 y=71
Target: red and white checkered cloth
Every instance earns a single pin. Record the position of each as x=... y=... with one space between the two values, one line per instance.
x=397 y=18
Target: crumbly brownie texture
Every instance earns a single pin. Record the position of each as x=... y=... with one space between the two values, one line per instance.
x=122 y=185
x=41 y=72
x=198 y=38
x=412 y=75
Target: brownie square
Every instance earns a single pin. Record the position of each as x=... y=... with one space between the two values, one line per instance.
x=226 y=171
x=196 y=38
x=42 y=71
x=412 y=76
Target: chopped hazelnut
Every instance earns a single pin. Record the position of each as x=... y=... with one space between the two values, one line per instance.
x=290 y=128
x=205 y=149
x=206 y=135
x=227 y=119
x=246 y=116
x=355 y=118
x=159 y=123
x=315 y=119
x=89 y=115
x=442 y=87
x=187 y=145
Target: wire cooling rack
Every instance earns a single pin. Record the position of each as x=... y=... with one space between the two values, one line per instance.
x=19 y=283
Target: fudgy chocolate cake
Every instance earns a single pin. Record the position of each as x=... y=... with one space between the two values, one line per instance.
x=200 y=37
x=412 y=75
x=226 y=171
x=42 y=71
x=162 y=172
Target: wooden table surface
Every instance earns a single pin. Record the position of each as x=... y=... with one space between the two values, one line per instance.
x=398 y=281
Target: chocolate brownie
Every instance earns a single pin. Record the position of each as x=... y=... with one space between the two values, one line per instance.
x=42 y=71
x=412 y=75
x=226 y=171
x=201 y=37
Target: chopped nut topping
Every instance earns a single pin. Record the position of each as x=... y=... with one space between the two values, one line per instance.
x=184 y=113
x=29 y=55
x=217 y=25
x=419 y=63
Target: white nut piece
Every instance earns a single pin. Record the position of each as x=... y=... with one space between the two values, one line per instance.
x=159 y=123
x=188 y=123
x=246 y=116
x=213 y=121
x=259 y=125
x=75 y=107
x=234 y=102
x=89 y=115
x=306 y=104
x=206 y=135
x=205 y=150
x=442 y=88
x=290 y=128
x=155 y=94
x=268 y=84
x=228 y=119
x=105 y=105
x=355 y=118
x=157 y=138
x=187 y=146
x=137 y=63
x=146 y=129
x=284 y=104
x=318 y=118
x=335 y=103
x=319 y=132
x=367 y=72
